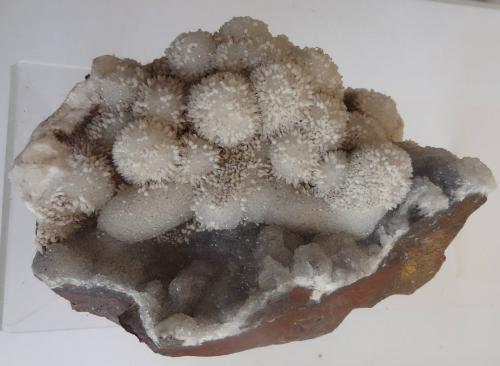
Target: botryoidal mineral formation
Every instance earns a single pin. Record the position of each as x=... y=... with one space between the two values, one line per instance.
x=233 y=194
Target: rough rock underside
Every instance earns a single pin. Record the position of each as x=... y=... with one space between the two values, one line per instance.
x=233 y=194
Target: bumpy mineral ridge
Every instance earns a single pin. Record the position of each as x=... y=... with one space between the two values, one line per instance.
x=233 y=194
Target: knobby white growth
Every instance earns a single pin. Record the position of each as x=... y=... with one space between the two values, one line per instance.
x=199 y=159
x=295 y=159
x=147 y=150
x=223 y=109
x=243 y=54
x=283 y=94
x=116 y=80
x=330 y=172
x=161 y=97
x=191 y=55
x=377 y=175
x=325 y=121
x=238 y=115
x=89 y=185
x=222 y=196
x=378 y=106
x=105 y=127
x=277 y=120
x=214 y=215
x=362 y=130
x=243 y=27
x=278 y=203
x=124 y=216
x=321 y=70
x=246 y=43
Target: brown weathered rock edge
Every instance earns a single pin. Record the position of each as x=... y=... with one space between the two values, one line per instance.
x=414 y=260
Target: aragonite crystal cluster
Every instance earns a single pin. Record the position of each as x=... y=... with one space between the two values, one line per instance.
x=233 y=194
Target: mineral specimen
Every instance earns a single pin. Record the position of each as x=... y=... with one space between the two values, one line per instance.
x=233 y=194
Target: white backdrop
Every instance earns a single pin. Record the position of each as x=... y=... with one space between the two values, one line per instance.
x=441 y=63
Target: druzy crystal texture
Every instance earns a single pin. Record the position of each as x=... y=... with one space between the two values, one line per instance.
x=234 y=194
